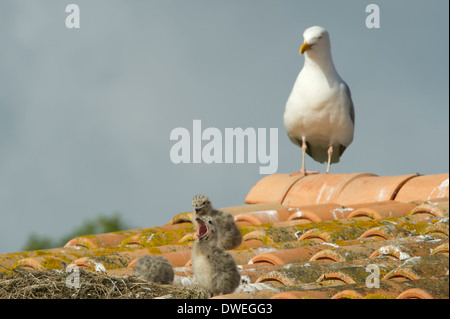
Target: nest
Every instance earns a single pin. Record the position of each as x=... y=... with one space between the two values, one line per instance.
x=53 y=284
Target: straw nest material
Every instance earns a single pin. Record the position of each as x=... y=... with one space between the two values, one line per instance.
x=51 y=284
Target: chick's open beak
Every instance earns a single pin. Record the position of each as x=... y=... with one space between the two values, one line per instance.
x=203 y=228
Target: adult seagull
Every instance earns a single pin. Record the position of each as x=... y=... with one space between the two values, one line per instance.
x=319 y=115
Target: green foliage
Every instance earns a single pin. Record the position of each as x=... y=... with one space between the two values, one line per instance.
x=100 y=224
x=36 y=242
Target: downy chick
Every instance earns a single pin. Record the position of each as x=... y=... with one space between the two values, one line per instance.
x=229 y=235
x=215 y=270
x=154 y=268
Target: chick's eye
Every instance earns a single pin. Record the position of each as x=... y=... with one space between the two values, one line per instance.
x=320 y=37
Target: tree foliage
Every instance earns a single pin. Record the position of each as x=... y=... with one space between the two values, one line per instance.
x=98 y=225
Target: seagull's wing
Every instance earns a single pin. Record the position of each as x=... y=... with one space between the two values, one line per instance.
x=352 y=109
x=351 y=113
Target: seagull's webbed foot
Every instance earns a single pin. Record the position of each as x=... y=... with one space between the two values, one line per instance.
x=303 y=172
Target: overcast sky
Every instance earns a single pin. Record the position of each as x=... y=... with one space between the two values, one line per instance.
x=86 y=114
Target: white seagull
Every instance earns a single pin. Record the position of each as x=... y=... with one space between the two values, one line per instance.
x=319 y=115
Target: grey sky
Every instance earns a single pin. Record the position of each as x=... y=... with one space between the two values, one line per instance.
x=86 y=114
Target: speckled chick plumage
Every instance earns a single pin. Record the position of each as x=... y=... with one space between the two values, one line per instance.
x=154 y=268
x=215 y=270
x=229 y=235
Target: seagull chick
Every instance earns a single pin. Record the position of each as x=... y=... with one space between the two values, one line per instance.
x=229 y=235
x=215 y=270
x=154 y=268
x=319 y=115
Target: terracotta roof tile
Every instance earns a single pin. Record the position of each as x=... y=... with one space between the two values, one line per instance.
x=99 y=241
x=305 y=294
x=419 y=267
x=288 y=256
x=253 y=272
x=424 y=187
x=436 y=288
x=348 y=294
x=264 y=217
x=271 y=189
x=336 y=273
x=440 y=229
x=415 y=293
x=437 y=208
x=373 y=189
x=319 y=213
x=393 y=209
x=43 y=262
x=303 y=237
x=319 y=188
x=441 y=249
x=237 y=210
x=408 y=249
x=258 y=294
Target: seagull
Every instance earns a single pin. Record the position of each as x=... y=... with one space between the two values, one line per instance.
x=319 y=115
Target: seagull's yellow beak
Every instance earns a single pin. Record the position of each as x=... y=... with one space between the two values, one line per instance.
x=305 y=47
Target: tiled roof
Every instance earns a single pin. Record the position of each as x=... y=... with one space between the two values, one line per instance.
x=316 y=236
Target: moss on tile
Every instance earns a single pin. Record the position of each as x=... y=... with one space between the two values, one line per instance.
x=352 y=295
x=181 y=218
x=282 y=235
x=109 y=262
x=89 y=241
x=246 y=229
x=5 y=272
x=163 y=238
x=414 y=228
x=378 y=296
x=41 y=252
x=51 y=262
x=157 y=236
x=7 y=260
x=154 y=250
x=306 y=273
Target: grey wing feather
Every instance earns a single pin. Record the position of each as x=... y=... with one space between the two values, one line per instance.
x=352 y=109
x=230 y=236
x=352 y=114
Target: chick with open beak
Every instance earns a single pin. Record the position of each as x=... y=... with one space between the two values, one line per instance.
x=229 y=235
x=215 y=270
x=205 y=228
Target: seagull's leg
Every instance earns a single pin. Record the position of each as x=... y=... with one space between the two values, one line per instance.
x=304 y=146
x=303 y=171
x=330 y=152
